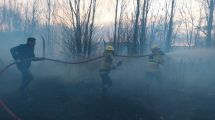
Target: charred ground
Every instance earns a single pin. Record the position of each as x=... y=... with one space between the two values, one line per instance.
x=60 y=92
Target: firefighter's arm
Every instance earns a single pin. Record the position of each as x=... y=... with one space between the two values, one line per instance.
x=37 y=58
x=117 y=65
x=34 y=58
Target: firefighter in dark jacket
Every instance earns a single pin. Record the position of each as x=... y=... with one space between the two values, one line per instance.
x=23 y=55
x=106 y=67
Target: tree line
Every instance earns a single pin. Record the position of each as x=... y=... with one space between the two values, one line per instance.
x=137 y=24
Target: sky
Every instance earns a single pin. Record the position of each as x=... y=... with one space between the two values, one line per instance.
x=106 y=8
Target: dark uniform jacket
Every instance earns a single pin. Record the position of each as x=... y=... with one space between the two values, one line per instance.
x=23 y=52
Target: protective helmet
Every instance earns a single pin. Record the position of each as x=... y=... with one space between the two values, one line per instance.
x=155 y=47
x=109 y=48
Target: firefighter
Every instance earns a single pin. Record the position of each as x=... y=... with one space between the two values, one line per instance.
x=20 y=54
x=106 y=67
x=155 y=59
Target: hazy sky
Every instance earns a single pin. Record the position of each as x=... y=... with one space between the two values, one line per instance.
x=106 y=8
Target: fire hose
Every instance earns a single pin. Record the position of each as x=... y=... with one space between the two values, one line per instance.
x=66 y=62
x=7 y=109
x=10 y=112
x=49 y=59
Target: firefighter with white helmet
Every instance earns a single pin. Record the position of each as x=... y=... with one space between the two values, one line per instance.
x=106 y=67
x=154 y=61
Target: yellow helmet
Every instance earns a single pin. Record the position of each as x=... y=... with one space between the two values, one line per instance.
x=109 y=48
x=155 y=47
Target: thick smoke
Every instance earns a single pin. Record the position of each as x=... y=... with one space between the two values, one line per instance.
x=185 y=92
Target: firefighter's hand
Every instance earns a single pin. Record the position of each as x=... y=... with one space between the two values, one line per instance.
x=119 y=63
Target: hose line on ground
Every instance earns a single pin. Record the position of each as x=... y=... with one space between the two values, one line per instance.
x=53 y=60
x=8 y=110
x=132 y=56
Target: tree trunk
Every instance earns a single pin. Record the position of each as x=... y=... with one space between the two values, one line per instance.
x=169 y=34
x=135 y=34
x=78 y=30
x=115 y=24
x=210 y=24
x=86 y=33
x=143 y=37
x=91 y=29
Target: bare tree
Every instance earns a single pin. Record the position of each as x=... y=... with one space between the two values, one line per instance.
x=154 y=27
x=48 y=23
x=189 y=23
x=210 y=23
x=75 y=11
x=197 y=35
x=121 y=39
x=31 y=17
x=144 y=18
x=86 y=33
x=91 y=28
x=11 y=19
x=135 y=34
x=82 y=25
x=34 y=17
x=170 y=30
x=115 y=24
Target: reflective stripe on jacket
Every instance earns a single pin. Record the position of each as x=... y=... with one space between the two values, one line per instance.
x=107 y=63
x=154 y=61
x=152 y=67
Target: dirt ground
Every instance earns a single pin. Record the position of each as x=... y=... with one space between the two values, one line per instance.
x=55 y=95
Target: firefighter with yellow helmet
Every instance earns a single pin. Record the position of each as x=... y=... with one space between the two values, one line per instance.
x=154 y=61
x=106 y=66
